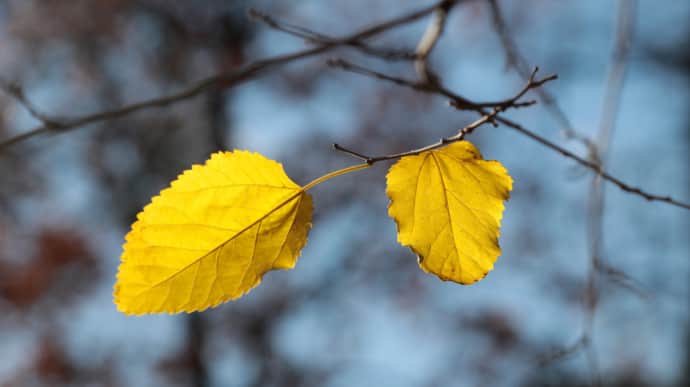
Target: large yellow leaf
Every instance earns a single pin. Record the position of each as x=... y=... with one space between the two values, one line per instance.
x=212 y=235
x=448 y=205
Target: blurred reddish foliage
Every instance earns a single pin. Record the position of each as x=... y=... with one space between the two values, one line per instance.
x=498 y=327
x=52 y=366
x=62 y=256
x=51 y=362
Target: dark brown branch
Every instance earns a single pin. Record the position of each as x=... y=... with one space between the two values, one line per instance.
x=314 y=37
x=15 y=91
x=382 y=27
x=353 y=68
x=291 y=29
x=514 y=102
x=457 y=99
x=440 y=143
x=593 y=166
x=225 y=80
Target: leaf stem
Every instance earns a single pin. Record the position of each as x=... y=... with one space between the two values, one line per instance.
x=333 y=174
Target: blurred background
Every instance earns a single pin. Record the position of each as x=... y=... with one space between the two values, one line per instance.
x=357 y=310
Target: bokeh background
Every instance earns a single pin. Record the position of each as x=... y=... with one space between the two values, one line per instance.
x=356 y=311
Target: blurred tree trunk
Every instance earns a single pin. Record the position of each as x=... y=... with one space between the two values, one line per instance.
x=219 y=139
x=195 y=344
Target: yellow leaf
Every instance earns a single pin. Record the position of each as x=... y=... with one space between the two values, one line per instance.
x=448 y=205
x=212 y=235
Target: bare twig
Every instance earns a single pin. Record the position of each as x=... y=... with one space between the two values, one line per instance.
x=456 y=100
x=225 y=80
x=15 y=91
x=352 y=153
x=514 y=102
x=593 y=166
x=460 y=100
x=440 y=143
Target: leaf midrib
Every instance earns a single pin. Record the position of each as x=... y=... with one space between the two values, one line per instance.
x=252 y=224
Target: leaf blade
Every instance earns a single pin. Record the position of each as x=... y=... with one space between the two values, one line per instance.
x=205 y=257
x=448 y=205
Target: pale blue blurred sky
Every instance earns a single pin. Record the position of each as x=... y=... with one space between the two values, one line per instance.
x=366 y=332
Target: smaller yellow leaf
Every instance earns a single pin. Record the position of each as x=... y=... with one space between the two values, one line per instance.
x=212 y=235
x=448 y=205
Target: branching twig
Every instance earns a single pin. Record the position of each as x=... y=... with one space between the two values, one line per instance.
x=15 y=91
x=462 y=101
x=593 y=166
x=514 y=102
x=253 y=69
x=456 y=100
x=440 y=143
x=225 y=80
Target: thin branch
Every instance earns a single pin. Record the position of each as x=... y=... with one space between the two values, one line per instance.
x=440 y=143
x=457 y=99
x=289 y=28
x=15 y=91
x=487 y=118
x=353 y=68
x=596 y=201
x=560 y=354
x=225 y=80
x=517 y=62
x=622 y=279
x=314 y=37
x=352 y=153
x=593 y=166
x=514 y=102
x=428 y=41
x=514 y=58
x=382 y=27
x=616 y=76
